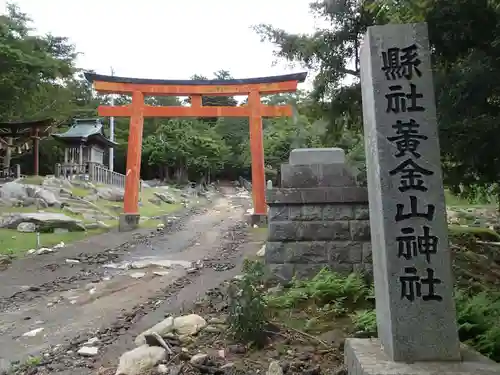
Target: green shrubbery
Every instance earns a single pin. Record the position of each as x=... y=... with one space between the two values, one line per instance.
x=329 y=295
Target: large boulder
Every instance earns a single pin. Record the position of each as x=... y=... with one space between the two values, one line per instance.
x=165 y=197
x=48 y=196
x=45 y=221
x=13 y=190
x=113 y=194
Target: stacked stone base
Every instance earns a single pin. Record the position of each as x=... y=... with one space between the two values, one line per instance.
x=366 y=357
x=314 y=228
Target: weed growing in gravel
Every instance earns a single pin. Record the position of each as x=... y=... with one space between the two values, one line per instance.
x=247 y=317
x=365 y=321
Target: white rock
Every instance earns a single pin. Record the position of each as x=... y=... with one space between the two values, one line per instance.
x=162 y=369
x=44 y=250
x=198 y=359
x=72 y=261
x=274 y=369
x=26 y=227
x=189 y=324
x=139 y=360
x=162 y=328
x=161 y=273
x=60 y=245
x=262 y=251
x=137 y=275
x=92 y=341
x=33 y=333
x=88 y=351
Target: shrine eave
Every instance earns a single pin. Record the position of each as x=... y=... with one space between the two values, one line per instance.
x=93 y=138
x=296 y=77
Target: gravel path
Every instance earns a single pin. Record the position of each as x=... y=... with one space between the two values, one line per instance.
x=115 y=285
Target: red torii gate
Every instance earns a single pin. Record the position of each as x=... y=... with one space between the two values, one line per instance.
x=195 y=89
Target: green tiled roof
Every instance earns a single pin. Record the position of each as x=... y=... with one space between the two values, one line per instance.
x=82 y=129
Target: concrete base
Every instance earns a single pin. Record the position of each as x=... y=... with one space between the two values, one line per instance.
x=257 y=219
x=128 y=222
x=366 y=357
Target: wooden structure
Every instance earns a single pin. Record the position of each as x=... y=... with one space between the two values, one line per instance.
x=195 y=89
x=85 y=145
x=84 y=142
x=21 y=136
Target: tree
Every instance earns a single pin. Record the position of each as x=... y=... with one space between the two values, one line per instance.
x=465 y=44
x=32 y=68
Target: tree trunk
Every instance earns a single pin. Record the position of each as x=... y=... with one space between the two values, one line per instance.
x=166 y=173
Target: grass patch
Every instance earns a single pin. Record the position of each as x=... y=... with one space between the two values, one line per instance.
x=13 y=242
x=33 y=180
x=80 y=192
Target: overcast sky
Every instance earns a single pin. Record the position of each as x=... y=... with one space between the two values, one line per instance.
x=171 y=38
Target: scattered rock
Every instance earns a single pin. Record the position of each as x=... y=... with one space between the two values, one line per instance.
x=26 y=227
x=262 y=251
x=47 y=196
x=113 y=194
x=211 y=329
x=45 y=221
x=274 y=369
x=189 y=324
x=139 y=360
x=154 y=339
x=162 y=328
x=92 y=341
x=216 y=320
x=88 y=351
x=33 y=332
x=335 y=337
x=237 y=349
x=315 y=370
x=198 y=359
x=138 y=275
x=165 y=197
x=162 y=369
x=4 y=261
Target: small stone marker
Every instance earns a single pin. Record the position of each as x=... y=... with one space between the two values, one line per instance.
x=304 y=156
x=412 y=264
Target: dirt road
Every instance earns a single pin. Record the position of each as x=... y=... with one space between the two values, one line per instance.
x=114 y=286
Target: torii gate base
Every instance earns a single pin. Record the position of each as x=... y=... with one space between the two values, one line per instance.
x=137 y=110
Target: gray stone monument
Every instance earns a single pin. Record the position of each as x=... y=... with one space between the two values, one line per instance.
x=412 y=265
x=318 y=218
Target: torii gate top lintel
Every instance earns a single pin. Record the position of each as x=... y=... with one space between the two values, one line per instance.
x=170 y=87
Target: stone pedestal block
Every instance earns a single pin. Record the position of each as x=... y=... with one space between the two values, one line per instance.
x=301 y=156
x=366 y=357
x=128 y=222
